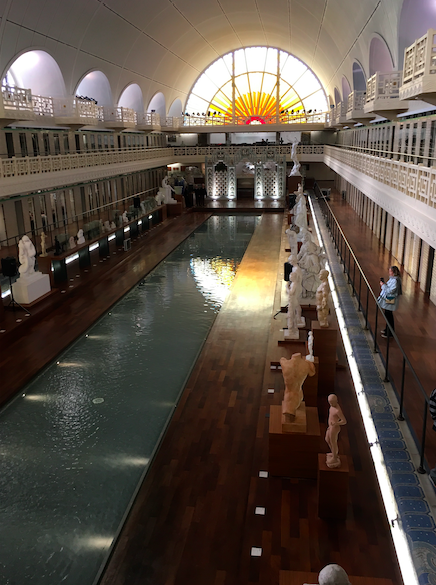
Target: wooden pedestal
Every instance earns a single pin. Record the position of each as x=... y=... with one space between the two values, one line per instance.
x=332 y=489
x=324 y=347
x=44 y=266
x=310 y=386
x=174 y=209
x=299 y=424
x=293 y=454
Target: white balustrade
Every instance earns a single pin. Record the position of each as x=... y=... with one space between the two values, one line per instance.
x=384 y=86
x=70 y=107
x=42 y=106
x=419 y=80
x=16 y=98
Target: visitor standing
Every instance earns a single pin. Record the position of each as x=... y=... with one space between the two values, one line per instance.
x=388 y=299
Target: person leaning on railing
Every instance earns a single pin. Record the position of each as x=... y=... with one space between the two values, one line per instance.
x=388 y=299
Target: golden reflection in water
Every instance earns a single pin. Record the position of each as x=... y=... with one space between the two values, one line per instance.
x=214 y=276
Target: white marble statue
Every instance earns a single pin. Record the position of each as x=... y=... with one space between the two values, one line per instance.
x=293 y=306
x=295 y=171
x=26 y=256
x=113 y=226
x=309 y=262
x=333 y=575
x=107 y=226
x=310 y=357
x=335 y=422
x=125 y=218
x=300 y=214
x=43 y=245
x=167 y=189
x=322 y=299
x=292 y=238
x=80 y=237
x=297 y=277
x=160 y=197
x=72 y=243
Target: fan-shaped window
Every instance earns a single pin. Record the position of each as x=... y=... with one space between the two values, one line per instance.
x=257 y=85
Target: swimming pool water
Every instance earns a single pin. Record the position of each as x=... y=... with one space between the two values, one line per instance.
x=75 y=445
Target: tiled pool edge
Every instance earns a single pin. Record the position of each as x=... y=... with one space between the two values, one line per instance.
x=414 y=510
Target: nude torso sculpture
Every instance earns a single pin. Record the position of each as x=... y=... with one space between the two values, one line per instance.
x=295 y=371
x=336 y=420
x=322 y=299
x=26 y=256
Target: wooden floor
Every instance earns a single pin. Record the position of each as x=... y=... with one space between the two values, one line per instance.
x=193 y=520
x=415 y=320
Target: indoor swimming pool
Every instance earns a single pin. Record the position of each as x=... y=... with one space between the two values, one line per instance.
x=77 y=441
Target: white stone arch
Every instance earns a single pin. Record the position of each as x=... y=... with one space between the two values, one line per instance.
x=95 y=84
x=416 y=17
x=359 y=76
x=158 y=104
x=132 y=97
x=176 y=108
x=338 y=97
x=36 y=69
x=379 y=55
x=346 y=87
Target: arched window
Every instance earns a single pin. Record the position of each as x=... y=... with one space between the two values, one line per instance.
x=37 y=71
x=257 y=85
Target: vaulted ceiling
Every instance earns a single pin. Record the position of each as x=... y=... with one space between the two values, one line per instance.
x=163 y=45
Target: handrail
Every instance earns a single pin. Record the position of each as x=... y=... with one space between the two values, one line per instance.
x=343 y=247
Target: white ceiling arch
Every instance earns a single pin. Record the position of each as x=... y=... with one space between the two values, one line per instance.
x=164 y=46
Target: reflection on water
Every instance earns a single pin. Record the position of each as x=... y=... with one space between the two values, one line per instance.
x=76 y=442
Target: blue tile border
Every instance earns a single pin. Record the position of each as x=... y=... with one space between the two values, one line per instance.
x=415 y=512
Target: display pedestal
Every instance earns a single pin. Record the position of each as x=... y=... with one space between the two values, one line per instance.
x=299 y=424
x=310 y=386
x=28 y=289
x=294 y=454
x=332 y=489
x=324 y=347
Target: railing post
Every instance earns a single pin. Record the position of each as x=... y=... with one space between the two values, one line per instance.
x=424 y=430
x=367 y=305
x=360 y=291
x=387 y=355
x=400 y=416
x=375 y=331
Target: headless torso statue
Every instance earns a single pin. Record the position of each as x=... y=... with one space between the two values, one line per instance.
x=295 y=371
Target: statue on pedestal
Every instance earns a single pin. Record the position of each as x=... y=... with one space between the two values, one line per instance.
x=80 y=237
x=309 y=262
x=295 y=171
x=322 y=299
x=43 y=245
x=107 y=226
x=113 y=226
x=295 y=371
x=72 y=243
x=166 y=189
x=336 y=420
x=294 y=309
x=310 y=357
x=124 y=217
x=26 y=256
x=292 y=238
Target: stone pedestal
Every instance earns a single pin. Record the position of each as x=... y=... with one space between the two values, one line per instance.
x=332 y=489
x=324 y=347
x=293 y=454
x=28 y=290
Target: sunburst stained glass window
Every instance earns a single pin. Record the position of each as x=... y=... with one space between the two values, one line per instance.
x=257 y=85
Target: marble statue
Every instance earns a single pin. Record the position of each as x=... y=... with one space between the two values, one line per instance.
x=26 y=256
x=296 y=277
x=300 y=214
x=333 y=575
x=292 y=238
x=43 y=245
x=293 y=306
x=295 y=171
x=309 y=262
x=310 y=357
x=125 y=218
x=72 y=242
x=107 y=226
x=160 y=197
x=335 y=422
x=295 y=371
x=80 y=237
x=113 y=226
x=166 y=189
x=322 y=299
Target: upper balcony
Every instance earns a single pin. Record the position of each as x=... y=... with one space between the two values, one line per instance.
x=419 y=79
x=355 y=109
x=383 y=95
x=15 y=104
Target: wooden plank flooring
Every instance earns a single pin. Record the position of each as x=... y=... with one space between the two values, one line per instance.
x=415 y=320
x=193 y=521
